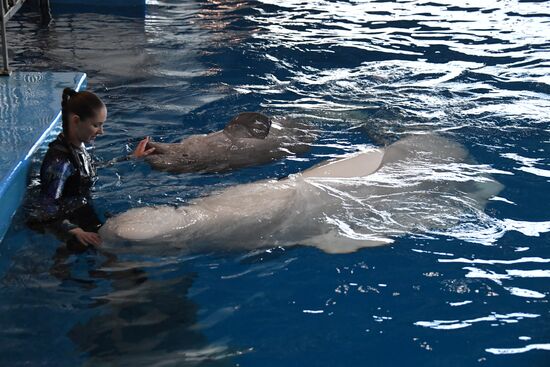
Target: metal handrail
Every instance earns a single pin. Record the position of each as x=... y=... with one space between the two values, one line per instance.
x=7 y=9
x=11 y=7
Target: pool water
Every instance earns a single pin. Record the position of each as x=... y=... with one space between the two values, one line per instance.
x=363 y=73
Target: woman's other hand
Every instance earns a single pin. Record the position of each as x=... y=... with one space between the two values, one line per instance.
x=141 y=149
x=86 y=238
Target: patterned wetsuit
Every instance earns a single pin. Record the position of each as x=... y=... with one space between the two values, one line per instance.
x=66 y=178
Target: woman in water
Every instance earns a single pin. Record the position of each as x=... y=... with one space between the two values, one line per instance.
x=68 y=172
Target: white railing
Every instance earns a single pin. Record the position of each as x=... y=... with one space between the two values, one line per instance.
x=7 y=9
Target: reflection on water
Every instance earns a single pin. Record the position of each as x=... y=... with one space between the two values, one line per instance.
x=119 y=314
x=143 y=321
x=361 y=72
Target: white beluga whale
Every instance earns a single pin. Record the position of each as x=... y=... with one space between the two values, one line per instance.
x=419 y=184
x=250 y=138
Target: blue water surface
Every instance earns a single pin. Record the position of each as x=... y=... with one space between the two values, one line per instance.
x=362 y=73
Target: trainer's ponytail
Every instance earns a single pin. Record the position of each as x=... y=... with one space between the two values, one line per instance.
x=67 y=94
x=83 y=104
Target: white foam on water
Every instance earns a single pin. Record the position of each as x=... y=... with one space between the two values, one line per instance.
x=492 y=262
x=488 y=230
x=498 y=198
x=523 y=160
x=529 y=273
x=527 y=348
x=536 y=171
x=528 y=164
x=455 y=304
x=526 y=293
x=457 y=324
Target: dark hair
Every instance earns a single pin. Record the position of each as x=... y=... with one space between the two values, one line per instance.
x=83 y=104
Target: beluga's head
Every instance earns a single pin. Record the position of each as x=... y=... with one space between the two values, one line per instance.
x=248 y=125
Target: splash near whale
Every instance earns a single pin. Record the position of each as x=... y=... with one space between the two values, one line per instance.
x=250 y=138
x=419 y=184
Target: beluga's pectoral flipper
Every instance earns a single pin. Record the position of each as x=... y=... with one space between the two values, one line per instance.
x=334 y=242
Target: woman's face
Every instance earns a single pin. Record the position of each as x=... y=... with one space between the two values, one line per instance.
x=88 y=130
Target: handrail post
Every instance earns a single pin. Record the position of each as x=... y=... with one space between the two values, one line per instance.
x=7 y=9
x=6 y=68
x=45 y=13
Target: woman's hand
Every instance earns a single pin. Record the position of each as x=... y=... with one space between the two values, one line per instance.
x=86 y=238
x=141 y=149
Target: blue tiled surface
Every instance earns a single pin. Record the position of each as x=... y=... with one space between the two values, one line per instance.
x=29 y=112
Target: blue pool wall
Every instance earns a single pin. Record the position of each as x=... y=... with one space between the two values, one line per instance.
x=30 y=116
x=129 y=8
x=107 y=3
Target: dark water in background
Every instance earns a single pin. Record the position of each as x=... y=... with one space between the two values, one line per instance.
x=362 y=73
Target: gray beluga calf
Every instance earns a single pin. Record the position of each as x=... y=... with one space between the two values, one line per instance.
x=418 y=184
x=250 y=138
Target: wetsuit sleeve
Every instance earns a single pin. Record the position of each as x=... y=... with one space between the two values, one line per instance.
x=54 y=175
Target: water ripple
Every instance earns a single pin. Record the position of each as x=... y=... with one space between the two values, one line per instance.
x=362 y=73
